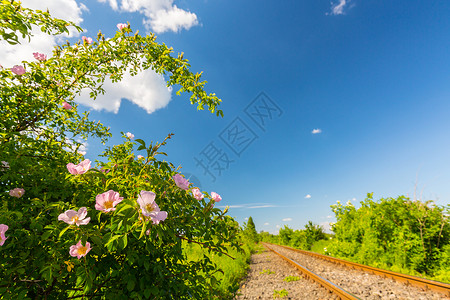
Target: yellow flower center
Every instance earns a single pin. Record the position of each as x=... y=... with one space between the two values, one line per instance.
x=149 y=208
x=108 y=204
x=75 y=219
x=82 y=250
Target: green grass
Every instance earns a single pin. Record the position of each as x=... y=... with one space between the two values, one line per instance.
x=320 y=246
x=268 y=272
x=280 y=294
x=227 y=283
x=291 y=278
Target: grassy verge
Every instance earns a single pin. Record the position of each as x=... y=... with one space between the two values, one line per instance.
x=227 y=283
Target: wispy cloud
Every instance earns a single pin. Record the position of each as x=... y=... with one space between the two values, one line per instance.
x=329 y=217
x=250 y=205
x=308 y=196
x=316 y=131
x=265 y=224
x=337 y=8
x=287 y=219
x=278 y=226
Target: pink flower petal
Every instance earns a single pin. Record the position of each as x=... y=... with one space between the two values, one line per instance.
x=121 y=26
x=216 y=197
x=18 y=70
x=88 y=40
x=66 y=105
x=3 y=229
x=40 y=56
x=181 y=182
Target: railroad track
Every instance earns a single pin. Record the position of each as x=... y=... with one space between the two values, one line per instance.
x=347 y=284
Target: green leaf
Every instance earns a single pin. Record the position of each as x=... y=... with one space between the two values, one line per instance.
x=143 y=230
x=130 y=285
x=46 y=235
x=123 y=242
x=63 y=231
x=124 y=207
x=112 y=240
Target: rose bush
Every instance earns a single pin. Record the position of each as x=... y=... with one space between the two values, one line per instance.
x=113 y=229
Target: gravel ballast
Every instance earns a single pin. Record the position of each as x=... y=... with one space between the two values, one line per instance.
x=362 y=284
x=261 y=283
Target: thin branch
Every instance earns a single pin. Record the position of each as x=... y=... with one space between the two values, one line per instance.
x=204 y=245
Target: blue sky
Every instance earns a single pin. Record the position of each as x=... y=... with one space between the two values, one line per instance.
x=373 y=76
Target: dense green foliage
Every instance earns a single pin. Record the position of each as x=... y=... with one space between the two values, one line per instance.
x=132 y=254
x=396 y=233
x=301 y=239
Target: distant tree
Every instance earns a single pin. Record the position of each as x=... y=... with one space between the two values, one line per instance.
x=313 y=233
x=286 y=234
x=250 y=230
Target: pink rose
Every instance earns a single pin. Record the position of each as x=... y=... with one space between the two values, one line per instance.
x=216 y=197
x=18 y=70
x=3 y=229
x=81 y=168
x=88 y=40
x=181 y=182
x=149 y=208
x=121 y=26
x=17 y=192
x=66 y=105
x=79 y=250
x=107 y=201
x=40 y=56
x=197 y=194
x=74 y=217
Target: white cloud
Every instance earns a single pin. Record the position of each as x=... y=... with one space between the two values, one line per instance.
x=245 y=219
x=278 y=226
x=287 y=219
x=265 y=224
x=329 y=217
x=338 y=8
x=147 y=90
x=308 y=196
x=316 y=131
x=160 y=15
x=174 y=19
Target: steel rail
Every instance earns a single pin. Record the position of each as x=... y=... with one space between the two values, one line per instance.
x=423 y=283
x=333 y=288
